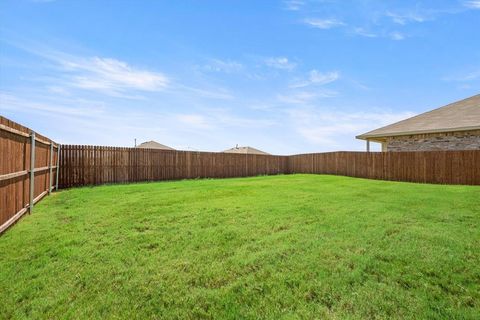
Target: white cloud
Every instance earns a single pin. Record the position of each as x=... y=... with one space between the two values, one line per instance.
x=220 y=118
x=280 y=63
x=293 y=5
x=111 y=76
x=394 y=35
x=194 y=120
x=364 y=33
x=397 y=36
x=101 y=74
x=473 y=4
x=58 y=90
x=323 y=78
x=70 y=107
x=323 y=23
x=212 y=93
x=329 y=128
x=83 y=122
x=227 y=66
x=318 y=78
x=296 y=98
x=469 y=76
x=405 y=18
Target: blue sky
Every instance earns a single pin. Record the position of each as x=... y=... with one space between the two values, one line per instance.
x=283 y=76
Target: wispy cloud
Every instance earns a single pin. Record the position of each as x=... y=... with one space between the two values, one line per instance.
x=81 y=121
x=323 y=23
x=101 y=74
x=465 y=77
x=328 y=128
x=111 y=75
x=394 y=35
x=305 y=97
x=472 y=4
x=318 y=78
x=280 y=63
x=220 y=118
x=212 y=93
x=361 y=31
x=397 y=36
x=194 y=120
x=364 y=33
x=296 y=97
x=293 y=5
x=119 y=79
x=227 y=66
x=404 y=18
x=71 y=107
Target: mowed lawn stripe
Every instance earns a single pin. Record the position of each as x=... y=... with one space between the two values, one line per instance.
x=296 y=246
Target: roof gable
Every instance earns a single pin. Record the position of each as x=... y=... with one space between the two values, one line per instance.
x=245 y=150
x=154 y=145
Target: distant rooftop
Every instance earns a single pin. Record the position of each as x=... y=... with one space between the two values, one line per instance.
x=245 y=150
x=458 y=116
x=153 y=145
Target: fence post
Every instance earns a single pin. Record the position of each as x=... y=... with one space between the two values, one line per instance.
x=32 y=171
x=51 y=168
x=58 y=166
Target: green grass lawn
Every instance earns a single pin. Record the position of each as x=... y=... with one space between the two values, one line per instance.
x=297 y=246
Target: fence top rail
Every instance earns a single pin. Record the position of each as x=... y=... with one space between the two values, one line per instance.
x=19 y=130
x=109 y=148
x=386 y=153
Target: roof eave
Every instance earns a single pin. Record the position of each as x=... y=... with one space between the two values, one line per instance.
x=367 y=136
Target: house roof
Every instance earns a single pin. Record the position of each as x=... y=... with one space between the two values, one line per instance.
x=458 y=116
x=153 y=145
x=245 y=150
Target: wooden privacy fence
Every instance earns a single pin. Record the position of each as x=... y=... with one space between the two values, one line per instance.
x=444 y=167
x=29 y=166
x=91 y=165
x=28 y=170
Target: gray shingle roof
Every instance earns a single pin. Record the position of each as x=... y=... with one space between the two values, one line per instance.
x=458 y=116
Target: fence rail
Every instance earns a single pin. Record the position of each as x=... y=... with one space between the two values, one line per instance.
x=28 y=163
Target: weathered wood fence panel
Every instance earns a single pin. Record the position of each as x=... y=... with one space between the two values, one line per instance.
x=16 y=193
x=444 y=167
x=93 y=165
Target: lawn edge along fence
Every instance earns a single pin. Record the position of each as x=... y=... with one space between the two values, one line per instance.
x=28 y=170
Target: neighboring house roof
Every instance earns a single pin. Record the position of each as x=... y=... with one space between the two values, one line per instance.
x=153 y=145
x=245 y=150
x=458 y=116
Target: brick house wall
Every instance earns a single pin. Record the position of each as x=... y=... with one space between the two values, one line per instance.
x=462 y=140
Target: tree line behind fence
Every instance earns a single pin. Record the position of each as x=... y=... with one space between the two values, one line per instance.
x=94 y=165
